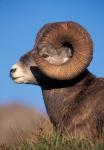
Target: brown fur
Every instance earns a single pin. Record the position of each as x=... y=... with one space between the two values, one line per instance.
x=77 y=106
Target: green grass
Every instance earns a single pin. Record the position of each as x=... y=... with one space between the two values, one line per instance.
x=58 y=142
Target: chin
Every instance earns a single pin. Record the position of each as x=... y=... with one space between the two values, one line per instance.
x=21 y=80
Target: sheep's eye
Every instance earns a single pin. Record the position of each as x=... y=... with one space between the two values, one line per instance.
x=45 y=55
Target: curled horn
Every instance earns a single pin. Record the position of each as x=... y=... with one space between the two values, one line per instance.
x=56 y=34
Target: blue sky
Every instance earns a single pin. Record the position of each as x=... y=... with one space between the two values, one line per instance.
x=20 y=21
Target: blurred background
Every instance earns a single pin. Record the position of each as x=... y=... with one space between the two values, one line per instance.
x=20 y=21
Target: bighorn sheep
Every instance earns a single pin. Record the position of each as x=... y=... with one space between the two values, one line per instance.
x=58 y=62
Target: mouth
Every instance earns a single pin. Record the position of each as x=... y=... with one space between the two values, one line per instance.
x=18 y=79
x=14 y=78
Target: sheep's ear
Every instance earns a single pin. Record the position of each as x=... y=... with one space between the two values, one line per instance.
x=74 y=34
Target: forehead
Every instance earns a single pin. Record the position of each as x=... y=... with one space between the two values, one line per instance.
x=28 y=57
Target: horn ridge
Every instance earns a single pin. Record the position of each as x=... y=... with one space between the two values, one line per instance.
x=57 y=33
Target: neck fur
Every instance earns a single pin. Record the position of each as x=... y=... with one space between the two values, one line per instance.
x=63 y=98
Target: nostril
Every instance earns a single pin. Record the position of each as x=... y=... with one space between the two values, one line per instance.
x=13 y=70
